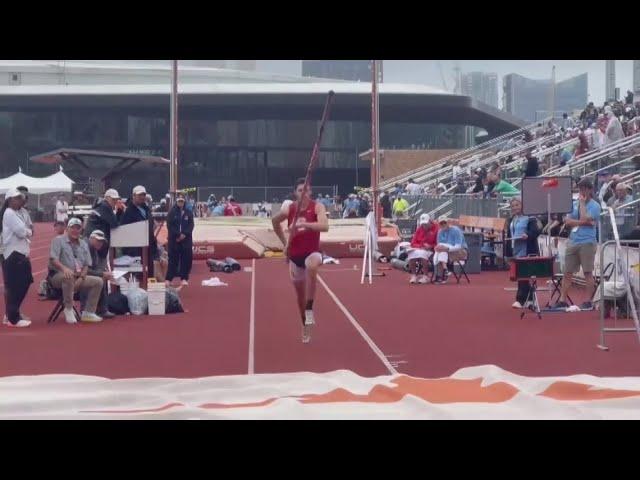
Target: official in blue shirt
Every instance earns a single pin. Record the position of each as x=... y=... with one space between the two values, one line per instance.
x=582 y=244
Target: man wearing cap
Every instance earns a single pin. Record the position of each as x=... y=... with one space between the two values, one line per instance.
x=16 y=267
x=451 y=247
x=422 y=244
x=582 y=244
x=70 y=258
x=98 y=249
x=106 y=214
x=138 y=211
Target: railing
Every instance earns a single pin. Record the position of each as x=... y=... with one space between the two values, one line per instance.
x=469 y=152
x=259 y=194
x=620 y=269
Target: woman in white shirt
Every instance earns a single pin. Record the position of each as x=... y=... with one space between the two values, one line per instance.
x=16 y=267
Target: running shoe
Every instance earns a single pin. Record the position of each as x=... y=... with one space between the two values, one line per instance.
x=423 y=279
x=21 y=324
x=559 y=305
x=413 y=279
x=306 y=333
x=516 y=305
x=90 y=317
x=586 y=306
x=70 y=316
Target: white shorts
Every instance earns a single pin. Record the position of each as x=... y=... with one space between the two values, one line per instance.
x=419 y=254
x=297 y=273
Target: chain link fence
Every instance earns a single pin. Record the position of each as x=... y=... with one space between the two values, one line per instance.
x=259 y=194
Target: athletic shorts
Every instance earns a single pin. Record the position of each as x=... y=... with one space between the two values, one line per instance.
x=297 y=266
x=581 y=255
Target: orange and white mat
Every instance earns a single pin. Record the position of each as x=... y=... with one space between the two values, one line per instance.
x=484 y=392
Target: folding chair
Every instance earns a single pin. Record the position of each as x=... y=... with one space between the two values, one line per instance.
x=59 y=308
x=556 y=282
x=462 y=273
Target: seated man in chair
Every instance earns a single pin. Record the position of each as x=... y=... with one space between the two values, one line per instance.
x=70 y=258
x=451 y=247
x=422 y=244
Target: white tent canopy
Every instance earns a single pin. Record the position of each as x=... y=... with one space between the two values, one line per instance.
x=58 y=182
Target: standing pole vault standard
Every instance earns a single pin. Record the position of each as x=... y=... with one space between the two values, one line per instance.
x=375 y=144
x=173 y=134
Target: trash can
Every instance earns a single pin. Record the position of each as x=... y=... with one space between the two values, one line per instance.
x=474 y=245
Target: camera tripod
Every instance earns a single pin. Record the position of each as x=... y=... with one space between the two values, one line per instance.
x=532 y=299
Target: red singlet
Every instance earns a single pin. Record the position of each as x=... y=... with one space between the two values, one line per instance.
x=307 y=241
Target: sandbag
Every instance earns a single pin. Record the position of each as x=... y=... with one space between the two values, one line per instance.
x=117 y=303
x=172 y=302
x=138 y=301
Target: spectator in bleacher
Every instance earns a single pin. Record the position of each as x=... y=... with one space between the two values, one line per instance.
x=423 y=242
x=621 y=197
x=106 y=214
x=70 y=259
x=451 y=247
x=351 y=205
x=400 y=208
x=628 y=99
x=567 y=122
x=523 y=231
x=62 y=209
x=582 y=244
x=397 y=190
x=502 y=186
x=413 y=188
x=232 y=209
x=385 y=203
x=461 y=187
x=613 y=131
x=532 y=168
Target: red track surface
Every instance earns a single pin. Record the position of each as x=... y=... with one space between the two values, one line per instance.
x=426 y=330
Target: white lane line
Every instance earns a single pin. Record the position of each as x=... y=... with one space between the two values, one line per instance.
x=252 y=318
x=360 y=330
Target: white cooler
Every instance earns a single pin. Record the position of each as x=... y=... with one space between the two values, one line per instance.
x=156 y=295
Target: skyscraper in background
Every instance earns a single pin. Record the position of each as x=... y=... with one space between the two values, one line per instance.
x=354 y=70
x=636 y=80
x=610 y=82
x=529 y=99
x=481 y=86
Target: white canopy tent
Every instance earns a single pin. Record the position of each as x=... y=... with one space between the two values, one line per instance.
x=58 y=182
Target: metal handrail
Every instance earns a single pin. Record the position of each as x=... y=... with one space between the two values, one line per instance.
x=625 y=273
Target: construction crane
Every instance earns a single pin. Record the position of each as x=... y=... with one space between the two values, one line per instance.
x=444 y=82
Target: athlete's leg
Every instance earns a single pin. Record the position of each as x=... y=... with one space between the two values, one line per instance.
x=312 y=264
x=297 y=275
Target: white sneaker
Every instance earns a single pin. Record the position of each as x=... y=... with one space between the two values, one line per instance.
x=184 y=283
x=413 y=279
x=423 y=279
x=5 y=320
x=21 y=323
x=306 y=333
x=70 y=315
x=309 y=318
x=90 y=317
x=516 y=305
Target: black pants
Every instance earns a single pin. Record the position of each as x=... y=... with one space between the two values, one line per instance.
x=17 y=279
x=180 y=259
x=523 y=291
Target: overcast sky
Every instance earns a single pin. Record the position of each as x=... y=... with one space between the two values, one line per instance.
x=427 y=71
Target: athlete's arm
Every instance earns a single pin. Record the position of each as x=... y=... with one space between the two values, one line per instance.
x=322 y=225
x=276 y=222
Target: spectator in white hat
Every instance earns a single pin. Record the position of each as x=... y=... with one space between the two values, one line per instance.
x=422 y=244
x=138 y=211
x=16 y=266
x=106 y=214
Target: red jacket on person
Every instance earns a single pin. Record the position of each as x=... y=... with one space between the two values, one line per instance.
x=232 y=209
x=424 y=237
